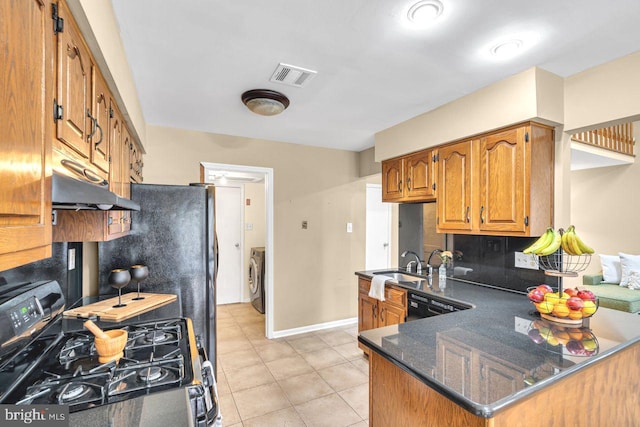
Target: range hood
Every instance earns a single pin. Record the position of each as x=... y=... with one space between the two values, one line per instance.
x=73 y=194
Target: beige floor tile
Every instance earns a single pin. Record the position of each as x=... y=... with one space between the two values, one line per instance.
x=288 y=367
x=221 y=383
x=364 y=423
x=275 y=351
x=261 y=400
x=342 y=377
x=239 y=359
x=229 y=332
x=351 y=329
x=323 y=358
x=358 y=398
x=247 y=377
x=283 y=418
x=304 y=388
x=335 y=337
x=228 y=410
x=307 y=344
x=231 y=345
x=362 y=364
x=349 y=351
x=329 y=411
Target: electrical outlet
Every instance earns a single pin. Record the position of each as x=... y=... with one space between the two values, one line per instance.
x=72 y=259
x=349 y=227
x=525 y=261
x=522 y=325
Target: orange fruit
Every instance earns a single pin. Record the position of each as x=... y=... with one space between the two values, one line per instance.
x=562 y=337
x=560 y=310
x=575 y=315
x=575 y=335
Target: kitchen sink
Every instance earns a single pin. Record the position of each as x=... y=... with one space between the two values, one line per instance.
x=400 y=277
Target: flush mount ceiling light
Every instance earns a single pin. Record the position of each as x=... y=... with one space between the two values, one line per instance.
x=424 y=12
x=506 y=49
x=265 y=102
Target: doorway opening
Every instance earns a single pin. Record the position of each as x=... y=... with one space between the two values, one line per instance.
x=222 y=175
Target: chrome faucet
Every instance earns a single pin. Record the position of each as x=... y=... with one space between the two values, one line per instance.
x=417 y=261
x=429 y=267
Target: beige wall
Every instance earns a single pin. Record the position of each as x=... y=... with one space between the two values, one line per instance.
x=534 y=94
x=256 y=215
x=314 y=268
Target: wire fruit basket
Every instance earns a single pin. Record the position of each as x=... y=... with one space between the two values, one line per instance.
x=562 y=264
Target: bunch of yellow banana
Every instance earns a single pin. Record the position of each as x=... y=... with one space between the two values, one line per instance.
x=572 y=244
x=547 y=244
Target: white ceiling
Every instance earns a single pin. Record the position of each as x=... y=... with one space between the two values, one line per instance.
x=192 y=59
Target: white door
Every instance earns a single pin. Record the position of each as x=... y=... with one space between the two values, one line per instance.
x=229 y=230
x=378 y=234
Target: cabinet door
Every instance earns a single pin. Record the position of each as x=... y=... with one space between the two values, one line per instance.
x=454 y=192
x=392 y=185
x=390 y=315
x=114 y=218
x=367 y=312
x=99 y=131
x=25 y=135
x=73 y=94
x=420 y=176
x=125 y=179
x=502 y=181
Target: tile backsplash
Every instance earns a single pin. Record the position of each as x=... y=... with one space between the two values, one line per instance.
x=491 y=260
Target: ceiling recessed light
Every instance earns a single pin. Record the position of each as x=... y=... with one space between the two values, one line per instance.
x=425 y=12
x=507 y=48
x=265 y=102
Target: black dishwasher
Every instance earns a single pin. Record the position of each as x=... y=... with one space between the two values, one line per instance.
x=421 y=306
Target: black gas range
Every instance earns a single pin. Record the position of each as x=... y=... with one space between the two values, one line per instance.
x=42 y=364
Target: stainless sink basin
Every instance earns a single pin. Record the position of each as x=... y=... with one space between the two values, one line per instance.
x=400 y=277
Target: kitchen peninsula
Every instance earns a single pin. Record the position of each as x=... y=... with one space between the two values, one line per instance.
x=479 y=367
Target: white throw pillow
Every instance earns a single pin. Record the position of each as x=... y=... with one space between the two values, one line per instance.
x=634 y=279
x=628 y=263
x=611 y=270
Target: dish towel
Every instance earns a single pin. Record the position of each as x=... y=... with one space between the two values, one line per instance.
x=377 y=286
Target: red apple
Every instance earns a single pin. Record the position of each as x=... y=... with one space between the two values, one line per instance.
x=544 y=288
x=536 y=295
x=575 y=303
x=575 y=347
x=572 y=292
x=535 y=336
x=586 y=294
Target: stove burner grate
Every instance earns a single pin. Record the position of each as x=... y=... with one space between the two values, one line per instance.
x=152 y=374
x=157 y=337
x=72 y=392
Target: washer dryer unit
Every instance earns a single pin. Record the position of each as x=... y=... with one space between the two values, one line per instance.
x=256 y=278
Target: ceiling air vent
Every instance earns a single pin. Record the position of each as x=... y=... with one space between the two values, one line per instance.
x=292 y=76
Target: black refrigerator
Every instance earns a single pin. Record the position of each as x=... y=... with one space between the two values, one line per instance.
x=174 y=235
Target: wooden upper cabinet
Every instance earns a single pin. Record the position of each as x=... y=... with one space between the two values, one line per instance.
x=73 y=97
x=420 y=176
x=499 y=184
x=409 y=178
x=392 y=184
x=502 y=181
x=135 y=162
x=455 y=208
x=26 y=76
x=99 y=132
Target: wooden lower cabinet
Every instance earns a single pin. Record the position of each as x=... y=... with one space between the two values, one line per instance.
x=397 y=398
x=373 y=313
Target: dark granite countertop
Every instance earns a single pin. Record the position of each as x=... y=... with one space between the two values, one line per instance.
x=494 y=335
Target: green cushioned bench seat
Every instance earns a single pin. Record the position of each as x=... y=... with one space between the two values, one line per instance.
x=612 y=295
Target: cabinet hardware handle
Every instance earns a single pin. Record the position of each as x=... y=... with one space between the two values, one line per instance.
x=93 y=124
x=375 y=311
x=481 y=214
x=409 y=184
x=468 y=219
x=400 y=186
x=382 y=314
x=101 y=134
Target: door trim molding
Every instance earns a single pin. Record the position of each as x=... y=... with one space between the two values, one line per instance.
x=269 y=290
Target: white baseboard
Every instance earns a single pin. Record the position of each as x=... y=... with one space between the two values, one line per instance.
x=316 y=327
